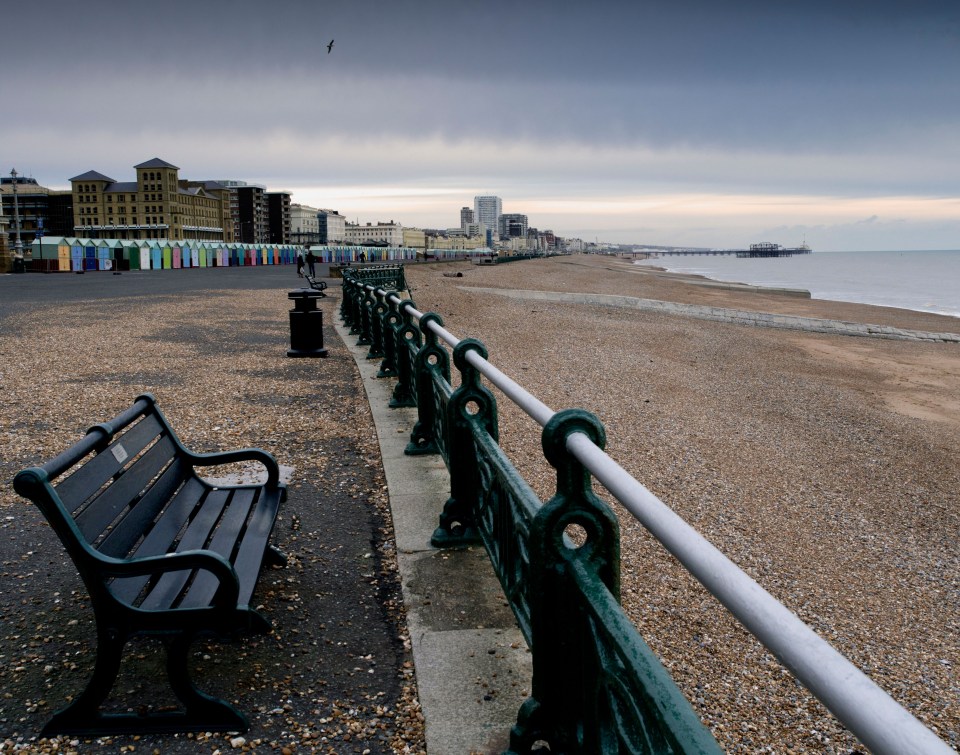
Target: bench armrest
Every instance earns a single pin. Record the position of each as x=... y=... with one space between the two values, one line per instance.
x=243 y=454
x=227 y=594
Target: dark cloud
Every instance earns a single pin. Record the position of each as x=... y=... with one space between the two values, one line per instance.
x=849 y=97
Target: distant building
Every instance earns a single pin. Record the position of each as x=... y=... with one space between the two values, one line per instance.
x=512 y=225
x=381 y=234
x=304 y=225
x=331 y=226
x=414 y=238
x=230 y=187
x=453 y=243
x=487 y=210
x=43 y=211
x=253 y=219
x=278 y=217
x=467 y=217
x=157 y=205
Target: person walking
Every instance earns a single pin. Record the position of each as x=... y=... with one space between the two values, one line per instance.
x=300 y=262
x=311 y=259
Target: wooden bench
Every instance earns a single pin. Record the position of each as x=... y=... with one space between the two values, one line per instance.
x=162 y=552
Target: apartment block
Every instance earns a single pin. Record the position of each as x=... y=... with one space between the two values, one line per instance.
x=157 y=205
x=487 y=210
x=43 y=211
x=278 y=217
x=332 y=227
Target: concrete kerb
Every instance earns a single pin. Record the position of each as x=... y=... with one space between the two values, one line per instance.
x=472 y=664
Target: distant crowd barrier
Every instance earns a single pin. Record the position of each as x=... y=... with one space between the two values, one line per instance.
x=597 y=686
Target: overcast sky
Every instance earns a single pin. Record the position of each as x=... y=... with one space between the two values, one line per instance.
x=689 y=122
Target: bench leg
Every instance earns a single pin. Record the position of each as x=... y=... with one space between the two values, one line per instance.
x=84 y=711
x=201 y=712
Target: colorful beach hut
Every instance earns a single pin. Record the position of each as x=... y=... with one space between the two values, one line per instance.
x=144 y=247
x=131 y=253
x=156 y=255
x=63 y=254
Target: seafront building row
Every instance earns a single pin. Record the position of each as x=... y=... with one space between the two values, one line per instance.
x=161 y=204
x=54 y=254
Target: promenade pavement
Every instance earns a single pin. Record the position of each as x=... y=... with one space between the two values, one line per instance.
x=353 y=621
x=473 y=666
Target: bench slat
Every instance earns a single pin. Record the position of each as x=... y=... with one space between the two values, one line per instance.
x=97 y=471
x=140 y=518
x=249 y=557
x=169 y=586
x=161 y=538
x=103 y=510
x=224 y=541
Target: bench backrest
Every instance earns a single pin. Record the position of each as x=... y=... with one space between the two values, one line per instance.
x=103 y=492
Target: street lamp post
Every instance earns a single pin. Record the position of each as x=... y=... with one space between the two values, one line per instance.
x=18 y=263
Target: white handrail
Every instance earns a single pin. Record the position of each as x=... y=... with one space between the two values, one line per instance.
x=874 y=717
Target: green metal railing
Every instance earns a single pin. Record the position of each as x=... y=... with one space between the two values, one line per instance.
x=597 y=686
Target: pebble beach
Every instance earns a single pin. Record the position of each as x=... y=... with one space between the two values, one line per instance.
x=825 y=466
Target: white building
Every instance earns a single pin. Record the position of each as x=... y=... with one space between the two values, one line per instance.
x=487 y=210
x=304 y=225
x=331 y=227
x=384 y=234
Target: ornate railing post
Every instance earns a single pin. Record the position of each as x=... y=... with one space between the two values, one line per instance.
x=392 y=320
x=431 y=358
x=597 y=687
x=367 y=302
x=408 y=340
x=346 y=300
x=472 y=402
x=356 y=311
x=555 y=710
x=377 y=313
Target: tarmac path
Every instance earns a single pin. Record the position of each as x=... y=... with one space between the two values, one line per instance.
x=336 y=675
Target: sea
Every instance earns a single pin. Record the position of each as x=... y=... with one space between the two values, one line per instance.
x=926 y=281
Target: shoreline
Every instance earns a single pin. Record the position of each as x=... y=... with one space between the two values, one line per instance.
x=823 y=465
x=693 y=277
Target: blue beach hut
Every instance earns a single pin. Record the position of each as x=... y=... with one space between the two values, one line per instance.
x=156 y=255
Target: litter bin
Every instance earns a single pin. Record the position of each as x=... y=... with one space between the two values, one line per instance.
x=306 y=324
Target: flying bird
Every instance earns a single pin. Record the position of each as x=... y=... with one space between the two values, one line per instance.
x=329 y=47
